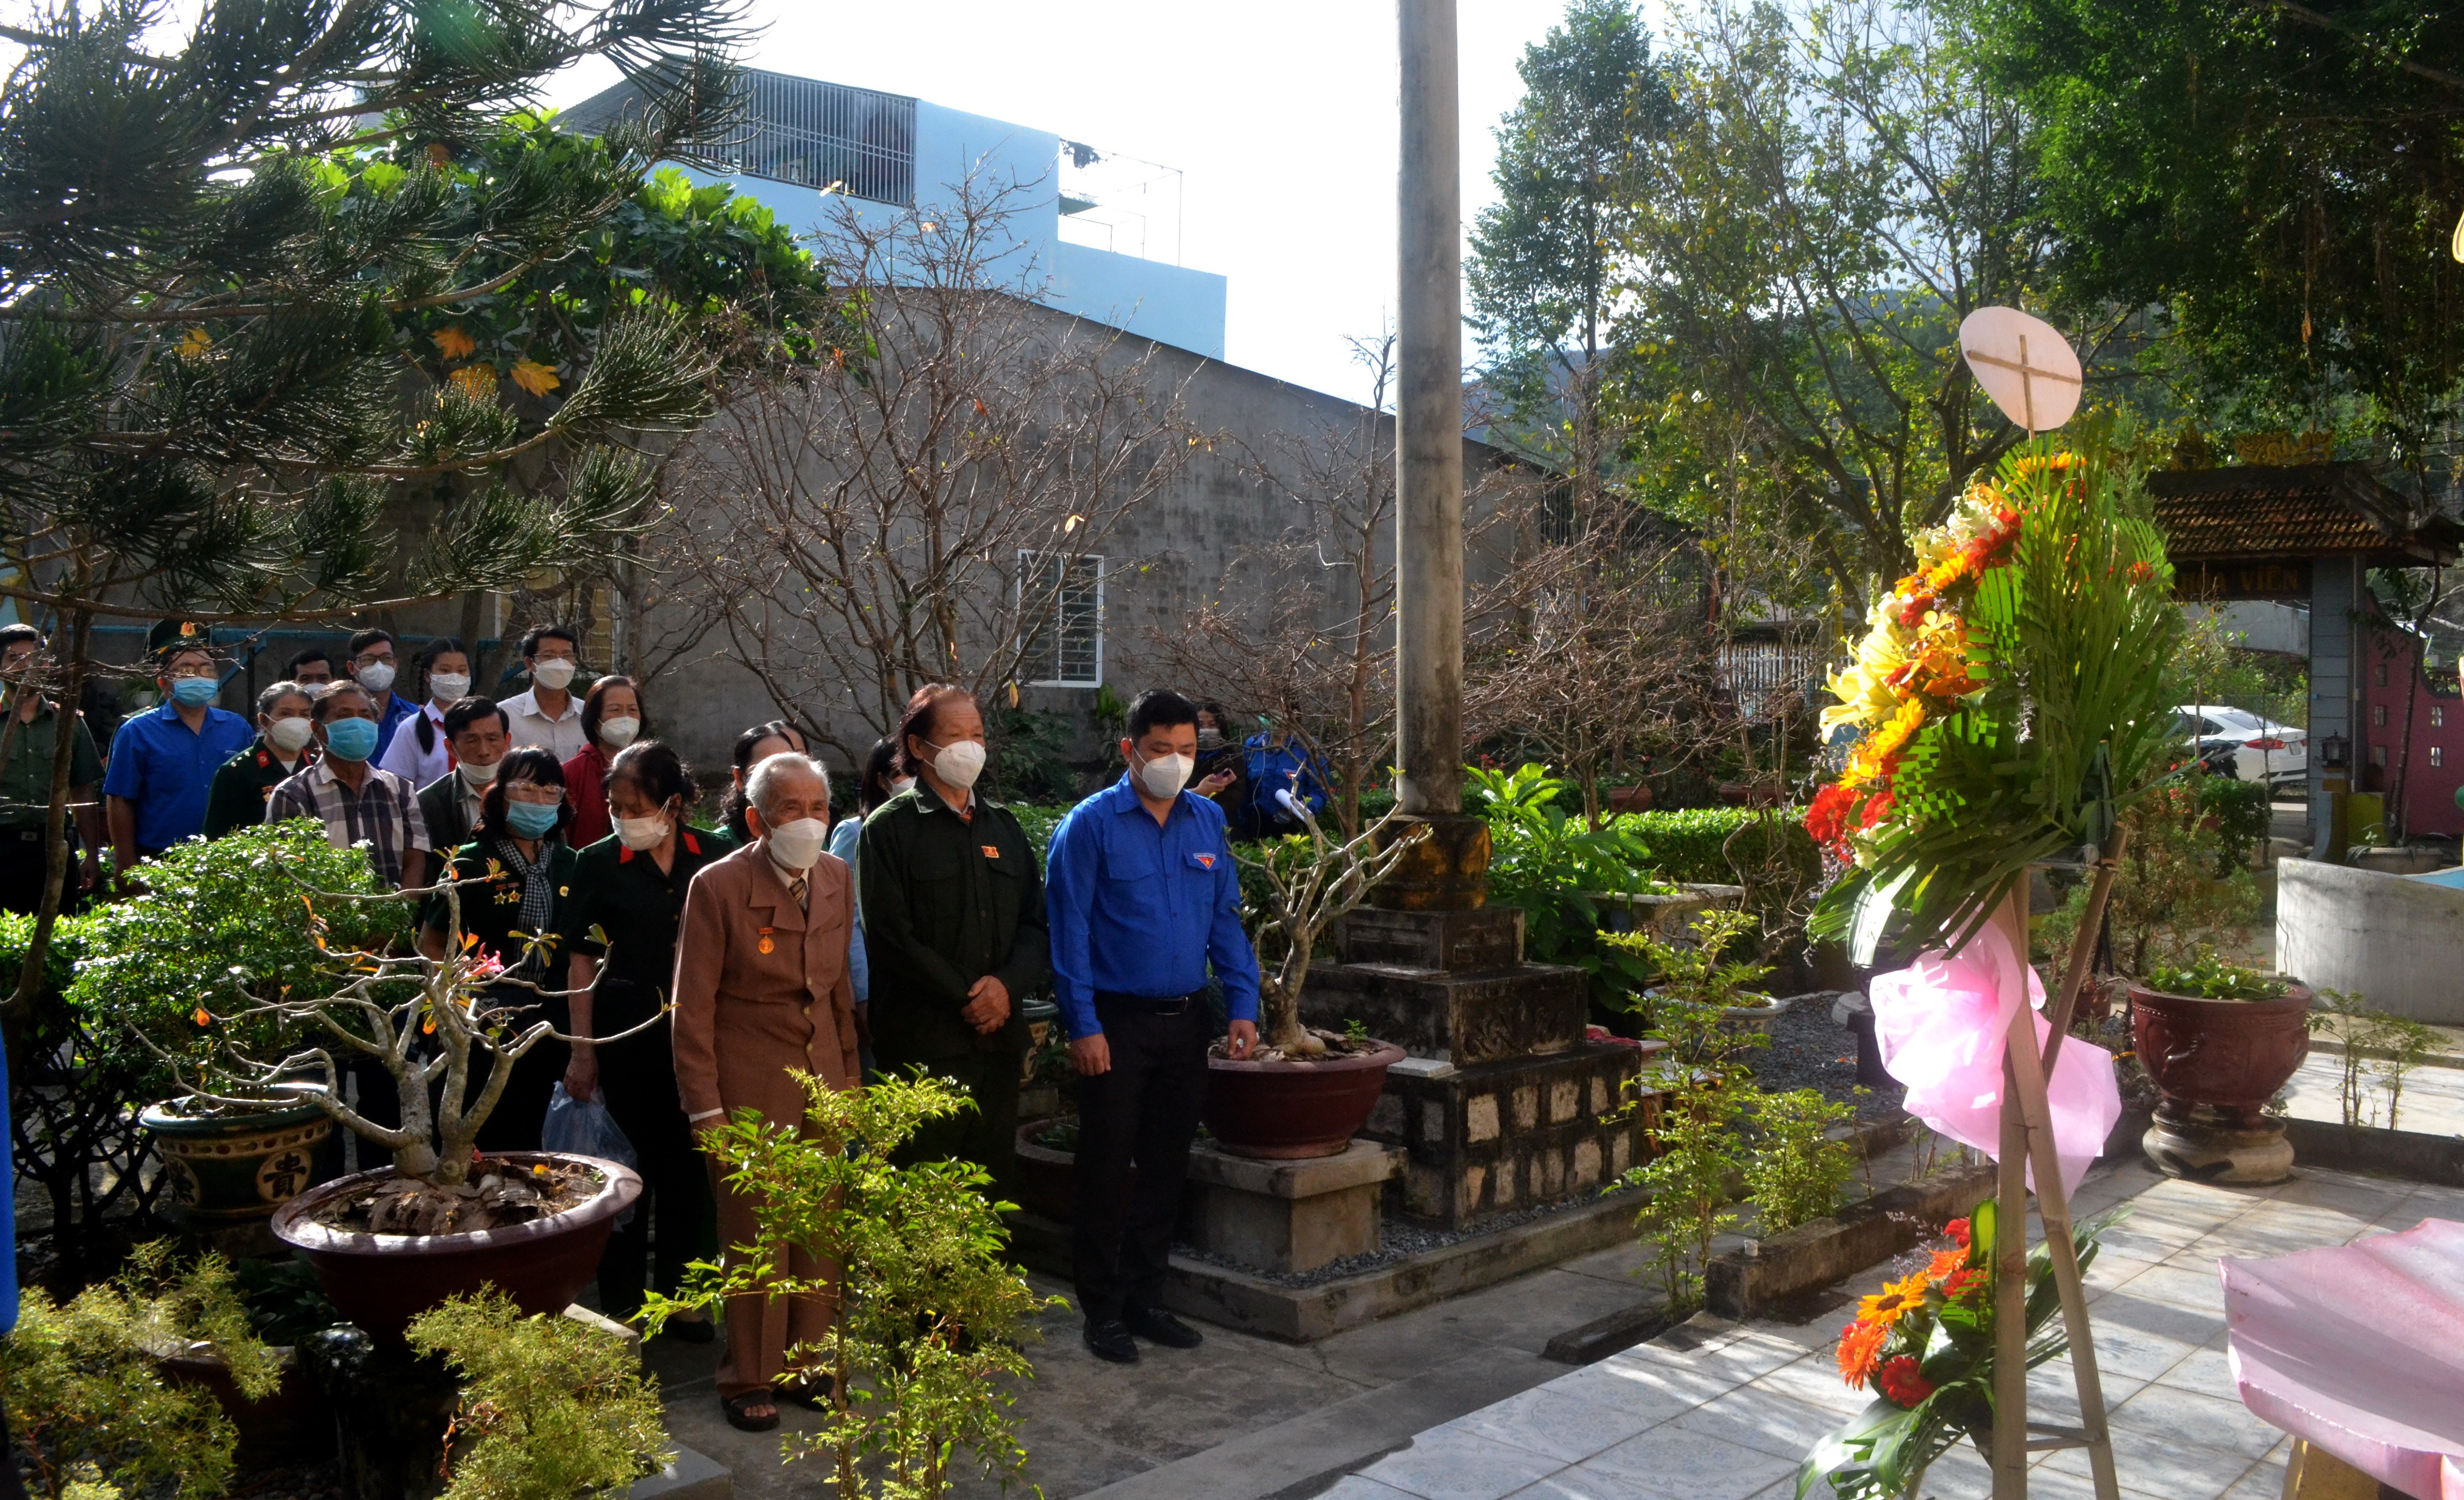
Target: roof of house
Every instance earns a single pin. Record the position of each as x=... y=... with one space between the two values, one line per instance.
x=2254 y=512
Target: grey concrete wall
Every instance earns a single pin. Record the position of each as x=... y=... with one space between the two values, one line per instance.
x=2397 y=943
x=2335 y=686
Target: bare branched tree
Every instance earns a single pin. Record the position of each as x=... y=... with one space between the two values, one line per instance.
x=918 y=514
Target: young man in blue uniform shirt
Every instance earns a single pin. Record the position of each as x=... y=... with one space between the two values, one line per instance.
x=1142 y=899
x=162 y=762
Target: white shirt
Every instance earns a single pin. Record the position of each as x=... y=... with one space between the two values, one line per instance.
x=404 y=758
x=533 y=730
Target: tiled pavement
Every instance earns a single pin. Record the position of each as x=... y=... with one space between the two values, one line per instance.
x=1731 y=1418
x=2432 y=1100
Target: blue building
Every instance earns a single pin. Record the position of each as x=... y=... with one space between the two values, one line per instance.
x=1098 y=233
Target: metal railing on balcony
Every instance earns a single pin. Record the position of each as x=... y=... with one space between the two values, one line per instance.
x=799 y=130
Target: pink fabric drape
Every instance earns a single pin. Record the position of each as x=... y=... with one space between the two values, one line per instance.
x=1942 y=1021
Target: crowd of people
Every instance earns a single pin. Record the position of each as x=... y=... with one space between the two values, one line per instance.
x=719 y=960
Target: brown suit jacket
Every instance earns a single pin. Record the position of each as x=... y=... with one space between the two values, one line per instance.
x=744 y=1015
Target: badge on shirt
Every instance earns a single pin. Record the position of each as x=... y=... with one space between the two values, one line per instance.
x=1203 y=861
x=990 y=851
x=765 y=945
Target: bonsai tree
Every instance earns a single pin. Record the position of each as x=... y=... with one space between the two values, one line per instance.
x=1300 y=886
x=258 y=965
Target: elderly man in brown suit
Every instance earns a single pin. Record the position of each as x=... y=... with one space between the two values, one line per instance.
x=763 y=987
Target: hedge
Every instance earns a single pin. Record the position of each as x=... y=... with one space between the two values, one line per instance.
x=1691 y=843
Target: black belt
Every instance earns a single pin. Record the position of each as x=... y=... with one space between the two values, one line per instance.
x=1152 y=1004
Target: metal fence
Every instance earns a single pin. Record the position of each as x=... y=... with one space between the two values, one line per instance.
x=800 y=130
x=1762 y=676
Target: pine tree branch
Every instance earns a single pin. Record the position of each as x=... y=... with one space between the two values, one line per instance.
x=200 y=312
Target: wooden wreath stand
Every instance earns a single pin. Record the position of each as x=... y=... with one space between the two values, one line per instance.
x=2027 y=1139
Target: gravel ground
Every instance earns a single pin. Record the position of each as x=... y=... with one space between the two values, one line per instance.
x=1809 y=1050
x=1398 y=1241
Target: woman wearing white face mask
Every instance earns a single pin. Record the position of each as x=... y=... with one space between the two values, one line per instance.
x=629 y=897
x=420 y=750
x=612 y=719
x=954 y=931
x=285 y=744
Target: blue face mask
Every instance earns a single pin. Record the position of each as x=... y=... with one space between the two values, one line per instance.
x=195 y=691
x=351 y=738
x=532 y=820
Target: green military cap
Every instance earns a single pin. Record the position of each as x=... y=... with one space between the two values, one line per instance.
x=173 y=634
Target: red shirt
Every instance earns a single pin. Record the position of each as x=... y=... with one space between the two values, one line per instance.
x=586 y=789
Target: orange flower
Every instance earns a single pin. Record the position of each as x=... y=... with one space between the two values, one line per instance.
x=1962 y=1282
x=1943 y=1264
x=455 y=343
x=1861 y=1348
x=536 y=378
x=204 y=1019
x=1896 y=1300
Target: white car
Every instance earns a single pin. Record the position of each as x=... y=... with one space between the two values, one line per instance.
x=2262 y=750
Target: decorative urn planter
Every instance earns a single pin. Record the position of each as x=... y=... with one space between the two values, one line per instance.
x=230 y=1169
x=1039 y=1016
x=2216 y=1063
x=1758 y=1018
x=1288 y=1111
x=383 y=1281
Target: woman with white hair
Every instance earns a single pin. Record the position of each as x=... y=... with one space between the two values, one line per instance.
x=761 y=987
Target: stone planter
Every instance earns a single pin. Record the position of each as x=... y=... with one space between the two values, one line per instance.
x=1758 y=1018
x=229 y=1170
x=1746 y=1283
x=1664 y=914
x=1045 y=1181
x=2217 y=1064
x=383 y=1281
x=1286 y=1111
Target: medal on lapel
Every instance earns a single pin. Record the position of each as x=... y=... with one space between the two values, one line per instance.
x=765 y=945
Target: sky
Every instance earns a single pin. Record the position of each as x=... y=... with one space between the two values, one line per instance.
x=1280 y=113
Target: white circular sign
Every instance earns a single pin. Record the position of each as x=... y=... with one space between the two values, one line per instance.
x=2024 y=365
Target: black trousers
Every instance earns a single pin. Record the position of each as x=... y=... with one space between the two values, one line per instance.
x=1144 y=1111
x=986 y=1134
x=25 y=865
x=675 y=1223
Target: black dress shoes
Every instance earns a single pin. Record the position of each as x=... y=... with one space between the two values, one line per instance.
x=1156 y=1326
x=1110 y=1340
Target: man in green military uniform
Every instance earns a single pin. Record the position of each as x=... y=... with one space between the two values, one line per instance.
x=29 y=742
x=952 y=930
x=285 y=746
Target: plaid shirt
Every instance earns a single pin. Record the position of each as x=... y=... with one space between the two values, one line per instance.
x=385 y=815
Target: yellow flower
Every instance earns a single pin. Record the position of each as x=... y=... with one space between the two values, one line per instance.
x=536 y=378
x=1896 y=1300
x=455 y=343
x=1863 y=690
x=478 y=382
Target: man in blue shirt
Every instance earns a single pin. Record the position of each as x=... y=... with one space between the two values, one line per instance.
x=162 y=762
x=1142 y=897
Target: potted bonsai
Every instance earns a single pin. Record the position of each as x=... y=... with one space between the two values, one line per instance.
x=437 y=1222
x=1304 y=1092
x=2219 y=1040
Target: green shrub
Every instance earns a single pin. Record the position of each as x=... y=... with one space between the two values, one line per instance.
x=2243 y=815
x=1691 y=844
x=550 y=1409
x=2210 y=978
x=1688 y=1183
x=1795 y=1172
x=89 y=1408
x=1543 y=858
x=1038 y=821
x=1691 y=973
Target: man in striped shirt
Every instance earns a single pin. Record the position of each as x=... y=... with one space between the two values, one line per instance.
x=357 y=802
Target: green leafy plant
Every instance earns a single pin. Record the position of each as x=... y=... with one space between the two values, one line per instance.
x=1925 y=1345
x=2375 y=1051
x=1704 y=1049
x=90 y=1410
x=1689 y=1184
x=550 y=1409
x=2210 y=978
x=1692 y=973
x=1550 y=862
x=1795 y=1172
x=923 y=1352
x=2167 y=901
x=286 y=1303
x=2242 y=811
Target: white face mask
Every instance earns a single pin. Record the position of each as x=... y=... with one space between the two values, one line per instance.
x=959 y=764
x=553 y=673
x=643 y=832
x=1166 y=775
x=797 y=845
x=480 y=775
x=444 y=687
x=290 y=735
x=900 y=783
x=619 y=732
x=376 y=676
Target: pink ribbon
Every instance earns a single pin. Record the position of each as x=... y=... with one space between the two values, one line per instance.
x=1943 y=1023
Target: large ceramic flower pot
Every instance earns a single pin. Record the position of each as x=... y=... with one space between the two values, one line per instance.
x=1285 y=1112
x=383 y=1281
x=227 y=1169
x=2216 y=1064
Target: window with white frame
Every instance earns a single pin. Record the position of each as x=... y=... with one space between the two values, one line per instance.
x=1061 y=616
x=2438 y=754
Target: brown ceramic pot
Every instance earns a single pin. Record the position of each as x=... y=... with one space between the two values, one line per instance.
x=1285 y=1112
x=383 y=1281
x=1045 y=1181
x=290 y=1427
x=2221 y=1059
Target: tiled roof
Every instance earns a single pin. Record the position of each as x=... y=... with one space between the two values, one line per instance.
x=2309 y=511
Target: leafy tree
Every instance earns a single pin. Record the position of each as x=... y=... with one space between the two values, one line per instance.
x=1543 y=268
x=207 y=403
x=2283 y=179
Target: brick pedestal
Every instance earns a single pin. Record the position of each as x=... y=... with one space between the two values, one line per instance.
x=1287 y=1215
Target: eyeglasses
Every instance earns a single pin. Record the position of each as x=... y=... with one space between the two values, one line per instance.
x=532 y=791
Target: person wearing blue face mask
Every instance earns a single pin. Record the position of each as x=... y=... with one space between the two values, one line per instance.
x=519 y=868
x=162 y=762
x=357 y=802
